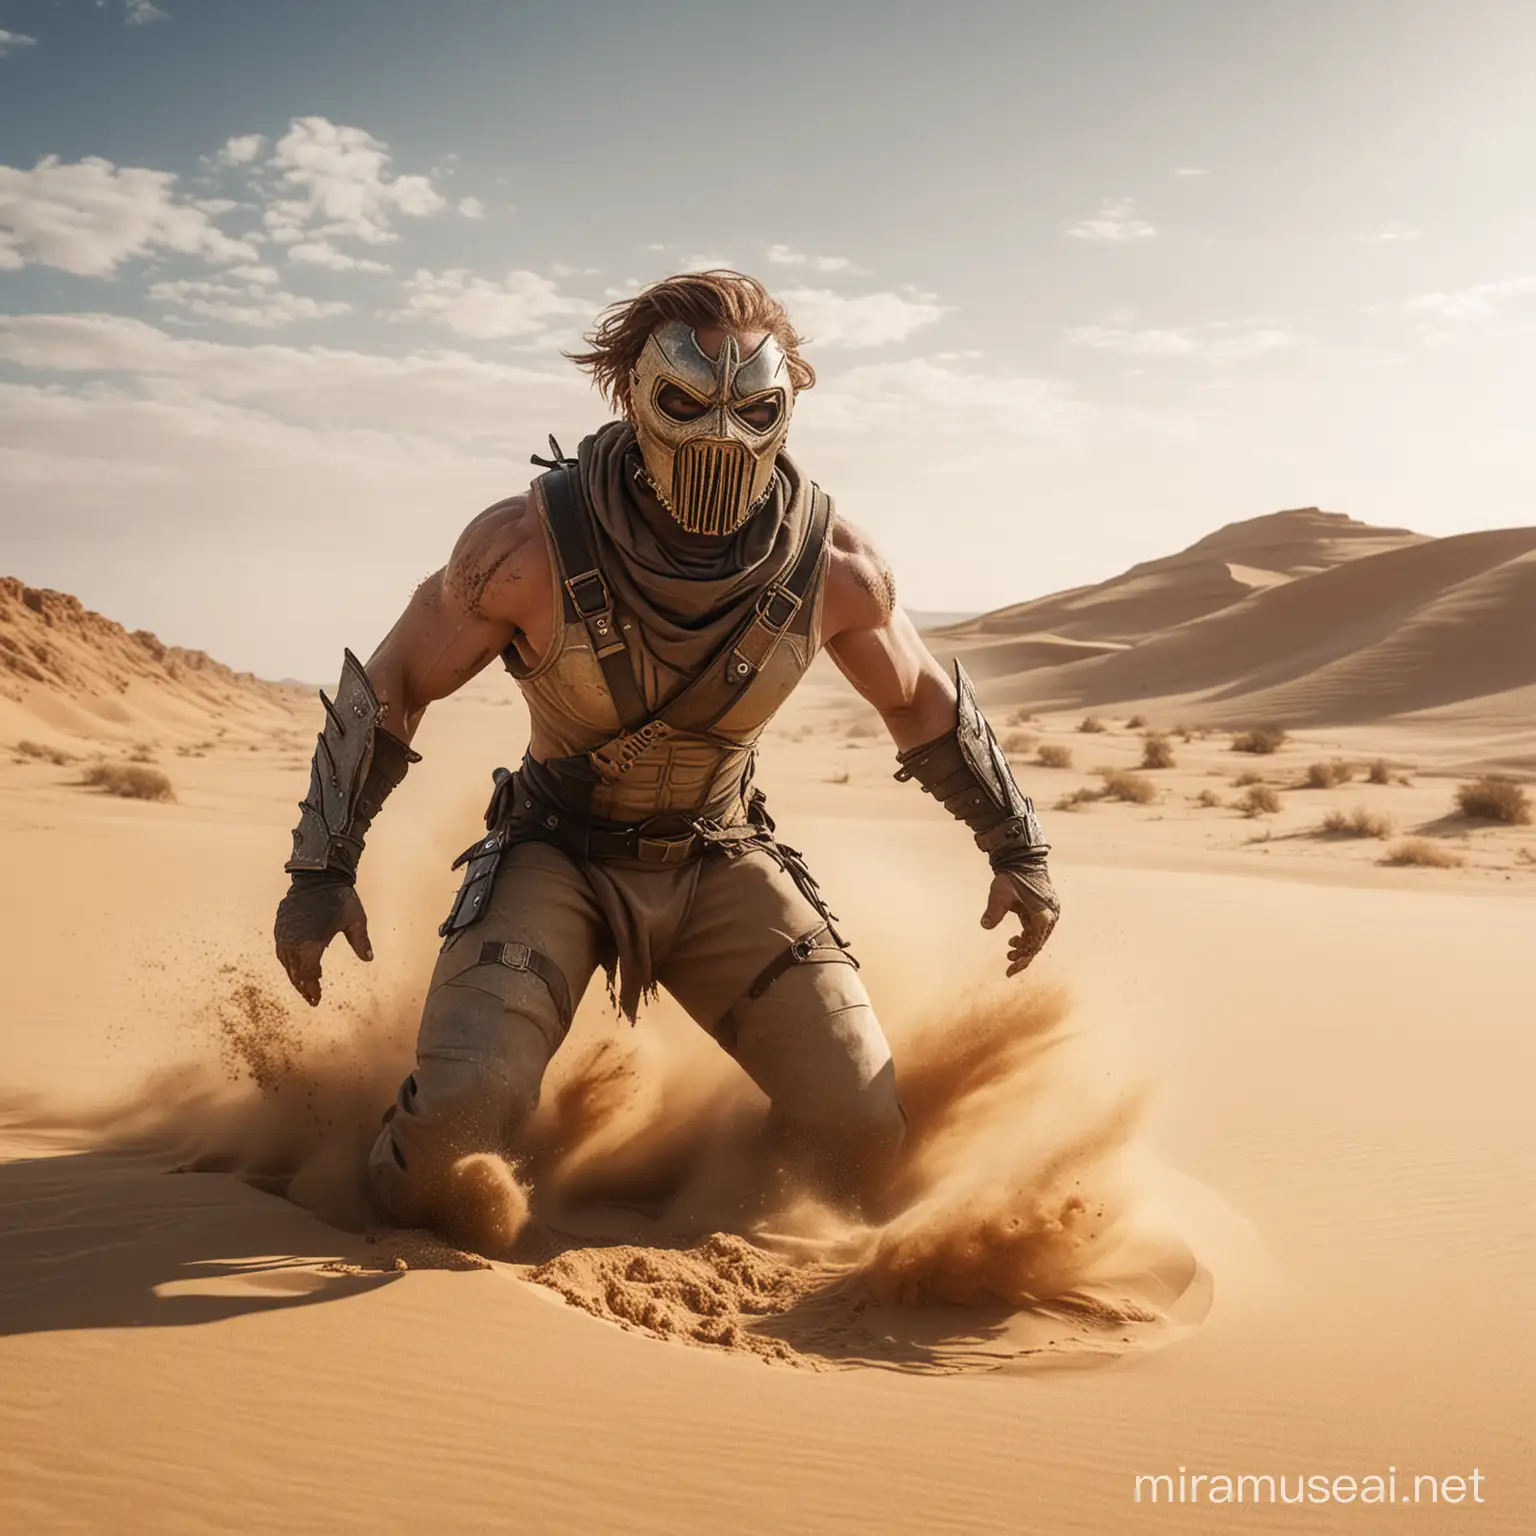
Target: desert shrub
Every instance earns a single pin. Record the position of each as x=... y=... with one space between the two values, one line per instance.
x=1092 y=725
x=1183 y=732
x=1156 y=752
x=1380 y=772
x=1017 y=743
x=1079 y=799
x=1054 y=757
x=1020 y=716
x=142 y=752
x=1495 y=798
x=840 y=776
x=1208 y=799
x=1136 y=723
x=1420 y=851
x=1243 y=780
x=1260 y=800
x=1359 y=822
x=39 y=753
x=130 y=781
x=862 y=730
x=1262 y=740
x=1526 y=856
x=1122 y=784
x=1328 y=775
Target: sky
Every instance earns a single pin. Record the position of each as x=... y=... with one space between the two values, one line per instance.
x=284 y=285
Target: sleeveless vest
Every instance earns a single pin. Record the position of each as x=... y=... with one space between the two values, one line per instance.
x=702 y=774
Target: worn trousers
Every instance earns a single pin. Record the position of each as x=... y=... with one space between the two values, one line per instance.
x=736 y=942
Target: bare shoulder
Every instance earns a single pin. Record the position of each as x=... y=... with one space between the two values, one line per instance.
x=500 y=562
x=861 y=589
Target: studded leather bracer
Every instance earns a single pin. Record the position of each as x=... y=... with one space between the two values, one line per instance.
x=966 y=769
x=356 y=765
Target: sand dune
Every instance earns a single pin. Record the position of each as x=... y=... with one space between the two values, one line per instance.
x=1221 y=569
x=1321 y=622
x=66 y=671
x=1405 y=630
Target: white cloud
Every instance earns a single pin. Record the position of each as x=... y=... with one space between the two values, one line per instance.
x=321 y=253
x=335 y=184
x=250 y=274
x=706 y=261
x=141 y=13
x=783 y=256
x=521 y=304
x=12 y=42
x=1481 y=302
x=868 y=320
x=242 y=149
x=471 y=208
x=254 y=305
x=1191 y=170
x=1113 y=221
x=329 y=453
x=922 y=397
x=439 y=394
x=1395 y=233
x=1227 y=341
x=91 y=216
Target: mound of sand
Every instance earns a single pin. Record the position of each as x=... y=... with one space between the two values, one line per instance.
x=1219 y=570
x=1432 y=624
x=66 y=671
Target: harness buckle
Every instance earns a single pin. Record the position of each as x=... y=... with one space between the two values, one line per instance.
x=664 y=850
x=774 y=602
x=515 y=956
x=595 y=588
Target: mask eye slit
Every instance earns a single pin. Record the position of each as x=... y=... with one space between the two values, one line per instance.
x=679 y=404
x=761 y=413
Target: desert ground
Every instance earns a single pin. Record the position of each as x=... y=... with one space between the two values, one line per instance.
x=1236 y=1181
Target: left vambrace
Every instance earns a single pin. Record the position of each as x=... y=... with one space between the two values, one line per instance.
x=967 y=770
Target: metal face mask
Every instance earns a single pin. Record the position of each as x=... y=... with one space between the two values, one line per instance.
x=710 y=431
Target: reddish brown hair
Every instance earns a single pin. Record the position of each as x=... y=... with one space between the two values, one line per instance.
x=729 y=300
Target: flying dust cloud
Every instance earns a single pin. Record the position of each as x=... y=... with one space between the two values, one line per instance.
x=1019 y=1223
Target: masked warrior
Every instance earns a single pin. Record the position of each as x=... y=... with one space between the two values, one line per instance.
x=656 y=598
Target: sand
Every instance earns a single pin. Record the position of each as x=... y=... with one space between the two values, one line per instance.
x=1236 y=1180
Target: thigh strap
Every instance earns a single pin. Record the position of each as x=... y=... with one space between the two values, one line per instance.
x=818 y=947
x=522 y=957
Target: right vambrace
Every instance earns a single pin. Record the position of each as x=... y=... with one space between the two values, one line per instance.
x=967 y=770
x=357 y=764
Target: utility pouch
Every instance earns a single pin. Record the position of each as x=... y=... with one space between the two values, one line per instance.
x=482 y=858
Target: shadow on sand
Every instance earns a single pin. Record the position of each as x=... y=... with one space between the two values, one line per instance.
x=110 y=1240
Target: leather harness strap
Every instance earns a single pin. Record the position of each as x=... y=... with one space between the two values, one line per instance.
x=587 y=596
x=522 y=957
x=818 y=947
x=706 y=698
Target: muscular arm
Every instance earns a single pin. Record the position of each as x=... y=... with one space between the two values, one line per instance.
x=879 y=651
x=494 y=588
x=877 y=647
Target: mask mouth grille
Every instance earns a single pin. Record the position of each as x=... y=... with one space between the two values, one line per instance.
x=711 y=481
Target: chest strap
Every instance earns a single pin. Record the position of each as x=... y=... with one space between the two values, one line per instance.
x=702 y=702
x=588 y=600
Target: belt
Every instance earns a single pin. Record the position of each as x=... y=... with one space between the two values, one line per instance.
x=582 y=840
x=602 y=844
